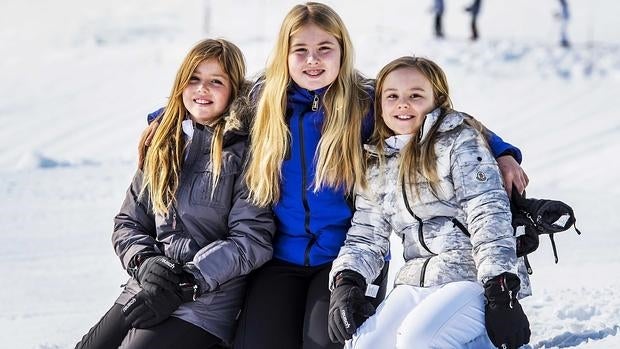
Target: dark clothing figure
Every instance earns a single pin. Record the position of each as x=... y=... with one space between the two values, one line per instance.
x=564 y=16
x=474 y=9
x=438 y=10
x=302 y=322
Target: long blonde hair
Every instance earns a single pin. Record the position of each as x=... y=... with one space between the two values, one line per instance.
x=339 y=158
x=415 y=157
x=164 y=158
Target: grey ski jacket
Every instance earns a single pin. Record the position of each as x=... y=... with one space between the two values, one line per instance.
x=223 y=237
x=463 y=234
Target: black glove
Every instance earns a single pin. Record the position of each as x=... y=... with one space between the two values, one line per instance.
x=506 y=323
x=189 y=288
x=544 y=214
x=146 y=310
x=157 y=273
x=348 y=307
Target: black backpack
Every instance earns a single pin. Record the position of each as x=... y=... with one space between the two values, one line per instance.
x=537 y=217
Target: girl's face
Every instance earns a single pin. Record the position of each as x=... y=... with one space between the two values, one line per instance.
x=207 y=95
x=314 y=57
x=406 y=98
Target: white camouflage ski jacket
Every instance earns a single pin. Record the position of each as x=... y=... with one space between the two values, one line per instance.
x=465 y=234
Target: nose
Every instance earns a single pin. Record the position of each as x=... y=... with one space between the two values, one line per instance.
x=312 y=58
x=202 y=87
x=403 y=104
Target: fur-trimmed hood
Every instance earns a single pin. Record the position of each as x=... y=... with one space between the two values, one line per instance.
x=241 y=112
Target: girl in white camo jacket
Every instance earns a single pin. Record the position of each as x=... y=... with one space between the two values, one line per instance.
x=433 y=181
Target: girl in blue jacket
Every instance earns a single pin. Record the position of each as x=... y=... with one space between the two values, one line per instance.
x=314 y=111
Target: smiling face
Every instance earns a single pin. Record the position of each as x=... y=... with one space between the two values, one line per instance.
x=208 y=92
x=314 y=57
x=406 y=98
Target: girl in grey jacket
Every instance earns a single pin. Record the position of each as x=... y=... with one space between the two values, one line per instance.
x=186 y=233
x=433 y=181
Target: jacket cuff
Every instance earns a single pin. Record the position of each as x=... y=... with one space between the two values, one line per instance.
x=350 y=277
x=203 y=286
x=501 y=148
x=134 y=253
x=514 y=152
x=136 y=261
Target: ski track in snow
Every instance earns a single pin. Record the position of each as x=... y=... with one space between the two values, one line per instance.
x=568 y=339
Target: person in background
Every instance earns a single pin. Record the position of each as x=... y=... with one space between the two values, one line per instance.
x=438 y=8
x=187 y=233
x=474 y=10
x=564 y=16
x=432 y=180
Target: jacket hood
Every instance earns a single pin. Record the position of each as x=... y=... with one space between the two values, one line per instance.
x=240 y=115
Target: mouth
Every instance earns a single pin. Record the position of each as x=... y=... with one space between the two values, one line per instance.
x=202 y=101
x=404 y=117
x=314 y=72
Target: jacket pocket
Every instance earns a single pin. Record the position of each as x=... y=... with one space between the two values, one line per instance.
x=478 y=178
x=202 y=194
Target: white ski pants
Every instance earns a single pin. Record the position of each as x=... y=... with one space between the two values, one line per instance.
x=447 y=316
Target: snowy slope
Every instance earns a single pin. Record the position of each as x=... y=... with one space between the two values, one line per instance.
x=78 y=78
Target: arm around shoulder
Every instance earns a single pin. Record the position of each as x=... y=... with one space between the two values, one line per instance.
x=509 y=159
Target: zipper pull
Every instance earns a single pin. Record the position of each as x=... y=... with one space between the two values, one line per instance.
x=510 y=296
x=315 y=103
x=174 y=219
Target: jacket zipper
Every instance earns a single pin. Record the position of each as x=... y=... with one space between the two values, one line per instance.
x=420 y=235
x=420 y=223
x=423 y=271
x=460 y=226
x=174 y=218
x=304 y=197
x=315 y=103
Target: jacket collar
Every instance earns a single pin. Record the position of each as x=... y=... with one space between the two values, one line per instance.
x=300 y=95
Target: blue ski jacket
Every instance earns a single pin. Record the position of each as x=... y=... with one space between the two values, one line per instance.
x=311 y=225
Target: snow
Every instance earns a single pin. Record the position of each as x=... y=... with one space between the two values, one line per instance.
x=79 y=77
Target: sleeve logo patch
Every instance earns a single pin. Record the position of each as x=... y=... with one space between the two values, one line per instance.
x=481 y=176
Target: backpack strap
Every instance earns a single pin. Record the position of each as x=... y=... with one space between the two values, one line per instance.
x=528 y=267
